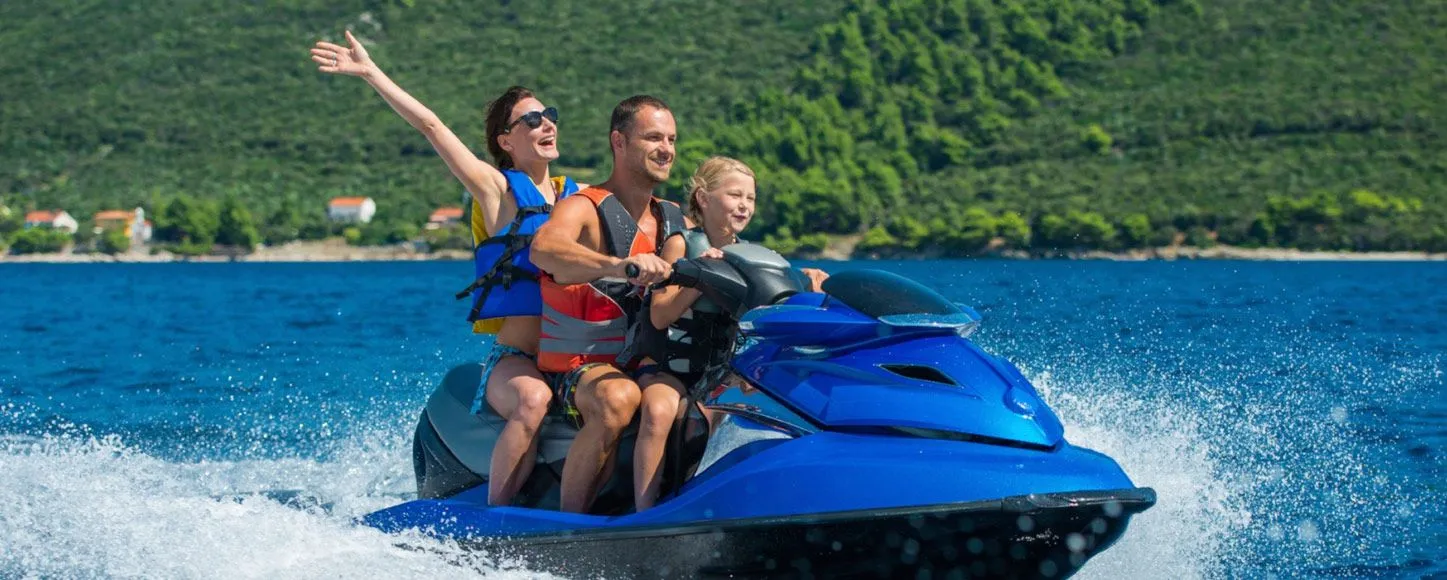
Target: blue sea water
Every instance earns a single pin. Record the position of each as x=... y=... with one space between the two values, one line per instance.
x=229 y=420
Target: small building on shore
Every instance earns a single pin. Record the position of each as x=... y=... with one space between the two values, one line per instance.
x=444 y=217
x=54 y=219
x=352 y=210
x=133 y=222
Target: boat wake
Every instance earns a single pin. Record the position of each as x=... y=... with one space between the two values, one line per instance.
x=91 y=506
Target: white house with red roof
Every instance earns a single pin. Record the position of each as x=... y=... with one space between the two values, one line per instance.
x=444 y=217
x=356 y=210
x=56 y=219
x=134 y=222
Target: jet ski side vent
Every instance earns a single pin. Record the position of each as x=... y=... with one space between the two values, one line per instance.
x=920 y=372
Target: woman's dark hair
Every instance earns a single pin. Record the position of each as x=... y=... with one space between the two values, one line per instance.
x=497 y=115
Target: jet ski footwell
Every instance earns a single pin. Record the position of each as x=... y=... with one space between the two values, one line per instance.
x=1028 y=536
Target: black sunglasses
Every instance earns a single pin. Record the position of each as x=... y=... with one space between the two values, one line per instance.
x=534 y=119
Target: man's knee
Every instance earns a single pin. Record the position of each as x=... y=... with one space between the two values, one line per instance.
x=617 y=399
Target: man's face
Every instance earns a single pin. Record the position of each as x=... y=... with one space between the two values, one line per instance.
x=647 y=148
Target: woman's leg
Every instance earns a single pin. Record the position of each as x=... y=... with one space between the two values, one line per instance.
x=517 y=391
x=659 y=408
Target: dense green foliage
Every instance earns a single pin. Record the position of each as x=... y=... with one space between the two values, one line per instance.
x=1216 y=118
x=235 y=227
x=107 y=105
x=910 y=87
x=1107 y=124
x=113 y=241
x=38 y=240
x=11 y=221
x=958 y=126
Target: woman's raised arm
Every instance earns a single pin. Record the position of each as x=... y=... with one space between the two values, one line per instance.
x=482 y=180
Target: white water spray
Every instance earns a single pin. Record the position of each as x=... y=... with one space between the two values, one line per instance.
x=78 y=506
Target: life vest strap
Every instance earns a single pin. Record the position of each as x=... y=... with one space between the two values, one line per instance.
x=514 y=242
x=525 y=212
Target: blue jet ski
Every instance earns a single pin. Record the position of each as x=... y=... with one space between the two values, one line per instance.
x=855 y=432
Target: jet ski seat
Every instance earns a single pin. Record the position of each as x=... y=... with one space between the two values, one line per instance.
x=452 y=450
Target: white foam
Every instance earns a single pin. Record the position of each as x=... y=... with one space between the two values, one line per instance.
x=83 y=506
x=1198 y=510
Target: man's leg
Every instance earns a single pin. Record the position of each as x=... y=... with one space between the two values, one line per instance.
x=606 y=399
x=661 y=396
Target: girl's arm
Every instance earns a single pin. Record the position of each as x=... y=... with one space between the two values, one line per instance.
x=670 y=302
x=482 y=180
x=816 y=278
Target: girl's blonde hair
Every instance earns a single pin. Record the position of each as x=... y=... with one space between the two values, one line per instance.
x=707 y=178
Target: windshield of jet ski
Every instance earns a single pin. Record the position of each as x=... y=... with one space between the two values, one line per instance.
x=899 y=301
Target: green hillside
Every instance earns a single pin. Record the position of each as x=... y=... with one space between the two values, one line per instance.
x=945 y=125
x=1113 y=125
x=1315 y=104
x=106 y=104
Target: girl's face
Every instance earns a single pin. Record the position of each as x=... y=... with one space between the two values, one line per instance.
x=527 y=143
x=730 y=205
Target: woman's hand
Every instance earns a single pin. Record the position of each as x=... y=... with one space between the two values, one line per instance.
x=334 y=59
x=712 y=253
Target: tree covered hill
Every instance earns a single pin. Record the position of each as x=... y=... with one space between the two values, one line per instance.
x=1109 y=124
x=953 y=125
x=113 y=104
x=1304 y=123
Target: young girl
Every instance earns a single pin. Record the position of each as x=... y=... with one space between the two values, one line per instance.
x=720 y=204
x=509 y=202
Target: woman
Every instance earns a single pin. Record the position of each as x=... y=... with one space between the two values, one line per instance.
x=720 y=204
x=509 y=202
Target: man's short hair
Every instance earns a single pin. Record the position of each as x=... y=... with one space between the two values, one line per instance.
x=627 y=111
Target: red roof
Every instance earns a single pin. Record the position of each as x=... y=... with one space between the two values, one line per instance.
x=347 y=201
x=114 y=214
x=445 y=214
x=41 y=217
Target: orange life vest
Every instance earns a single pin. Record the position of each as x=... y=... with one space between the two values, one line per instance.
x=587 y=323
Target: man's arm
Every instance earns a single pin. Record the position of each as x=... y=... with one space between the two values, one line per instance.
x=558 y=249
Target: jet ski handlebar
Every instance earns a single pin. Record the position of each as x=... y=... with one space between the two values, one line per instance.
x=685 y=273
x=747 y=276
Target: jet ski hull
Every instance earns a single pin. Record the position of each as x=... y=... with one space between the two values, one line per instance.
x=1030 y=536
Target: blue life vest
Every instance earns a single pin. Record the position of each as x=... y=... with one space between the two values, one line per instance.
x=507 y=280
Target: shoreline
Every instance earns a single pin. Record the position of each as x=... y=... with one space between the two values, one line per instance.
x=331 y=250
x=1175 y=253
x=336 y=250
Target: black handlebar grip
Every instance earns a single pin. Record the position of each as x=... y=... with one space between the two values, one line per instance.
x=631 y=270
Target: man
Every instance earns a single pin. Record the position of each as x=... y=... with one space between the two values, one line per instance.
x=585 y=250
